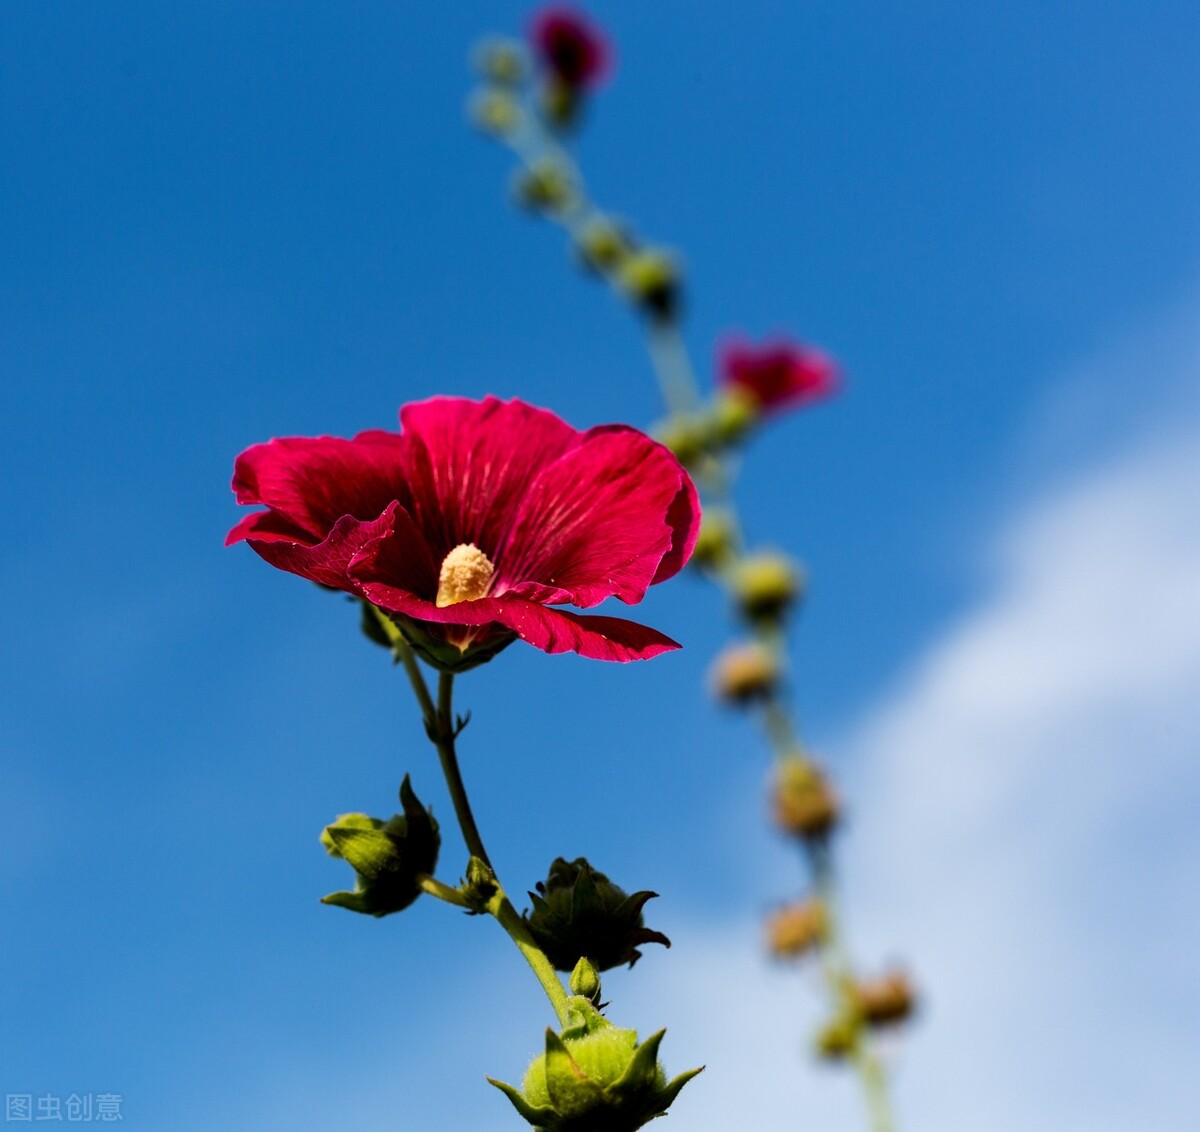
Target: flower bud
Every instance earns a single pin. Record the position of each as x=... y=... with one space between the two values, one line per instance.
x=495 y=112
x=766 y=585
x=686 y=436
x=803 y=801
x=716 y=540
x=734 y=416
x=594 y=1077
x=502 y=61
x=578 y=911
x=838 y=1039
x=603 y=244
x=651 y=279
x=389 y=858
x=545 y=187
x=797 y=928
x=585 y=981
x=885 y=1001
x=744 y=673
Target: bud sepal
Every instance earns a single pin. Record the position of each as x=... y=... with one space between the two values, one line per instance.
x=389 y=858
x=594 y=1077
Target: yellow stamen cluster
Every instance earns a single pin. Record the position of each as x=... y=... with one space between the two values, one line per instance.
x=466 y=575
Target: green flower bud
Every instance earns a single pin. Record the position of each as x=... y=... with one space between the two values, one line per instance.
x=838 y=1039
x=651 y=279
x=604 y=244
x=744 y=673
x=688 y=437
x=766 y=585
x=502 y=61
x=715 y=542
x=595 y=1077
x=585 y=981
x=734 y=416
x=495 y=112
x=803 y=800
x=545 y=186
x=389 y=858
x=578 y=911
x=560 y=103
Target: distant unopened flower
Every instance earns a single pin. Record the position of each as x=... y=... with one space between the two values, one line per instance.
x=804 y=803
x=777 y=375
x=885 y=1001
x=475 y=521
x=797 y=929
x=571 y=48
x=744 y=673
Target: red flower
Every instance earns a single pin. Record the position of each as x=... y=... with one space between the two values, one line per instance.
x=778 y=375
x=473 y=521
x=574 y=51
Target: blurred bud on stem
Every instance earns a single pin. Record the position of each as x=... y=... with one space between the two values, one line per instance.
x=885 y=1001
x=650 y=277
x=502 y=61
x=802 y=799
x=742 y=674
x=797 y=929
x=715 y=543
x=766 y=586
x=495 y=112
x=604 y=244
x=545 y=186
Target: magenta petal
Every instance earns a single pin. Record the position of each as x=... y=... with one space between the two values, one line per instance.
x=552 y=630
x=327 y=562
x=470 y=462
x=314 y=482
x=596 y=522
x=267 y=526
x=683 y=518
x=401 y=558
x=600 y=638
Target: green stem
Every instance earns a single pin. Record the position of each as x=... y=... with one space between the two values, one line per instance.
x=442 y=729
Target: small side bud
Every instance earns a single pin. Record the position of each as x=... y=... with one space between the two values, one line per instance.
x=495 y=112
x=766 y=586
x=578 y=911
x=604 y=244
x=734 y=416
x=716 y=541
x=651 y=279
x=502 y=61
x=885 y=1001
x=838 y=1039
x=803 y=801
x=593 y=1076
x=388 y=858
x=797 y=929
x=686 y=436
x=585 y=981
x=545 y=187
x=479 y=886
x=744 y=673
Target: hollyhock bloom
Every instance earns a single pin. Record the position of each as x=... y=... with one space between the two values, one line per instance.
x=778 y=375
x=571 y=48
x=474 y=521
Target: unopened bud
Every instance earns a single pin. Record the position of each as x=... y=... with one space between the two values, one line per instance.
x=715 y=542
x=804 y=803
x=585 y=981
x=545 y=186
x=604 y=244
x=742 y=674
x=502 y=61
x=734 y=416
x=651 y=278
x=885 y=1001
x=796 y=929
x=838 y=1039
x=766 y=585
x=495 y=112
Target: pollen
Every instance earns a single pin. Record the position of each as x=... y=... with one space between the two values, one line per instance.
x=466 y=575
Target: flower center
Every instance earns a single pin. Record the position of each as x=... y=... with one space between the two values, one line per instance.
x=466 y=575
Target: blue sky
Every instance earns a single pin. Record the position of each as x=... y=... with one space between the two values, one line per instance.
x=224 y=222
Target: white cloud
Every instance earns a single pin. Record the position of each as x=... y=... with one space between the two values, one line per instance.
x=1025 y=825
